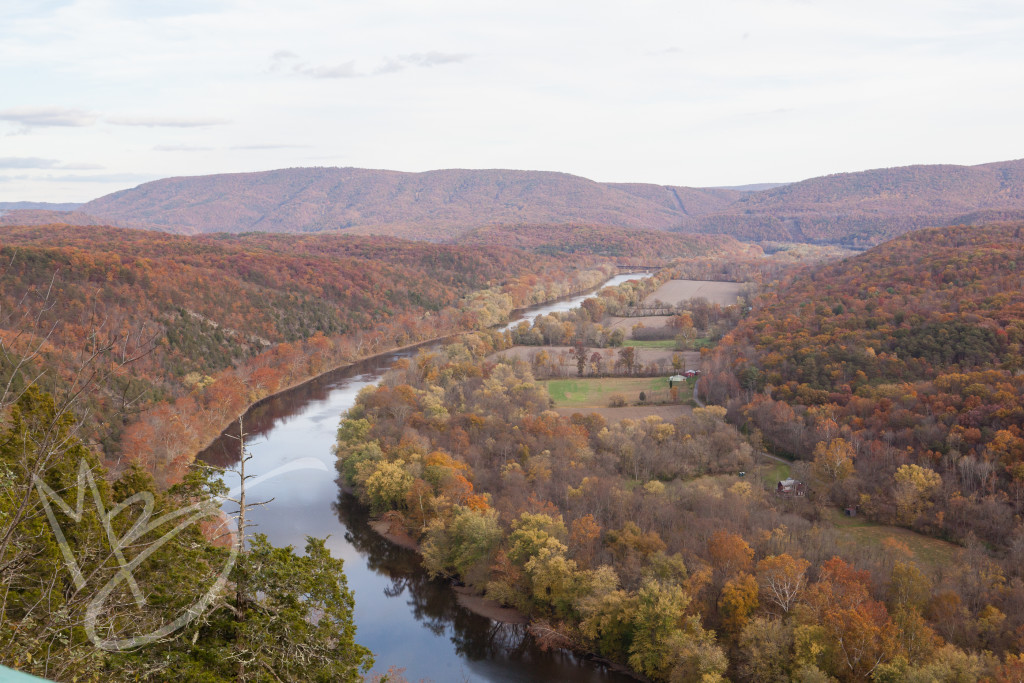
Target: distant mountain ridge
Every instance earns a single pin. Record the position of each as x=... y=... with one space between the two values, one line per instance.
x=869 y=207
x=36 y=206
x=856 y=209
x=436 y=205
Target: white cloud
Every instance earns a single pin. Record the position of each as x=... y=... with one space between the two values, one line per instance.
x=33 y=117
x=81 y=167
x=166 y=121
x=36 y=162
x=435 y=58
x=346 y=70
x=27 y=162
x=258 y=147
x=285 y=59
x=181 y=148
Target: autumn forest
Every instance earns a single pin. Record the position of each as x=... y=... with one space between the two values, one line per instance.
x=764 y=454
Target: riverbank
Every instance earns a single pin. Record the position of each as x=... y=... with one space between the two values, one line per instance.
x=450 y=336
x=348 y=365
x=434 y=629
x=468 y=599
x=465 y=596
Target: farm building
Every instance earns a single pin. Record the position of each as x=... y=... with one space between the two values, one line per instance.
x=790 y=487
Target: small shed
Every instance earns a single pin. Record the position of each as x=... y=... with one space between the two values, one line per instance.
x=674 y=380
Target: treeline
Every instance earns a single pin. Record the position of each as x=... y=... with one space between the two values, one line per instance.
x=627 y=246
x=619 y=539
x=176 y=335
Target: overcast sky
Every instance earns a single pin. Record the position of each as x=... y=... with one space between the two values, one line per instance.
x=101 y=95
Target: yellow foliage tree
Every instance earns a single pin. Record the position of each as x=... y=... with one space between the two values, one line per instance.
x=833 y=460
x=914 y=488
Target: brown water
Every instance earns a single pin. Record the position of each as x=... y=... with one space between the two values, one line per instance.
x=404 y=617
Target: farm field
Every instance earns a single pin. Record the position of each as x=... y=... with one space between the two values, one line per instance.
x=674 y=291
x=597 y=391
x=651 y=343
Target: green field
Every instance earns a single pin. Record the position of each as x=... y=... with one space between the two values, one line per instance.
x=776 y=472
x=595 y=392
x=651 y=343
x=928 y=551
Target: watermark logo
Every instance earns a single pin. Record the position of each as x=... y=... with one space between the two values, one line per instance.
x=134 y=538
x=120 y=545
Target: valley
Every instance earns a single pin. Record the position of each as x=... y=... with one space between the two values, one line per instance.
x=549 y=465
x=390 y=342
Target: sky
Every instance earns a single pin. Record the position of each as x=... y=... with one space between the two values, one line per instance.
x=102 y=95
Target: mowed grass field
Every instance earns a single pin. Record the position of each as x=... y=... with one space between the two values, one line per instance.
x=596 y=392
x=928 y=551
x=651 y=343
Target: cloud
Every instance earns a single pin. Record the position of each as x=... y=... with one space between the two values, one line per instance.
x=37 y=162
x=285 y=59
x=429 y=59
x=78 y=178
x=390 y=66
x=82 y=167
x=267 y=146
x=27 y=162
x=346 y=70
x=102 y=178
x=280 y=59
x=166 y=121
x=181 y=148
x=32 y=117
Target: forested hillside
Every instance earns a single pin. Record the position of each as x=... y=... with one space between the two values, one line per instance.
x=644 y=247
x=212 y=323
x=653 y=543
x=908 y=356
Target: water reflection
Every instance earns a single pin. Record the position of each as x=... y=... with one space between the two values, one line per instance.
x=493 y=650
x=404 y=617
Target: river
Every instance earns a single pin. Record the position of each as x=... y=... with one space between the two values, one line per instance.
x=404 y=617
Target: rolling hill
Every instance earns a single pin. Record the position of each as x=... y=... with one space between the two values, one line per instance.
x=220 y=309
x=870 y=207
x=855 y=209
x=435 y=205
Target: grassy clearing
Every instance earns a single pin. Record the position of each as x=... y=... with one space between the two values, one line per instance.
x=651 y=343
x=596 y=392
x=929 y=552
x=776 y=472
